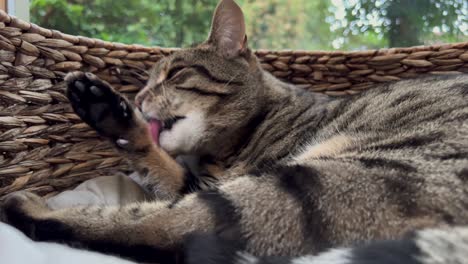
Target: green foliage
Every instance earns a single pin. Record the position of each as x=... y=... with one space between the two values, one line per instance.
x=163 y=23
x=271 y=24
x=279 y=24
x=408 y=22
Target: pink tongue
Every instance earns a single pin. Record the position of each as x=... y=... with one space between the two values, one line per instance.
x=155 y=127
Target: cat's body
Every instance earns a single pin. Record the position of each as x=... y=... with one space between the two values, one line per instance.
x=289 y=172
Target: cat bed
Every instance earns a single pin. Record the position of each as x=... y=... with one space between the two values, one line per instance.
x=44 y=146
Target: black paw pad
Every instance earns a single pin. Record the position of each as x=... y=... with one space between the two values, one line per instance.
x=97 y=104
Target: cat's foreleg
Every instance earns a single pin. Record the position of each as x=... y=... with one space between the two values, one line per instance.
x=114 y=117
x=249 y=209
x=143 y=232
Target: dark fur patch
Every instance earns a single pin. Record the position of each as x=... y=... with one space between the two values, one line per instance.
x=274 y=260
x=264 y=167
x=227 y=219
x=338 y=111
x=386 y=164
x=454 y=156
x=191 y=182
x=139 y=253
x=304 y=184
x=405 y=97
x=401 y=117
x=411 y=141
x=301 y=133
x=352 y=116
x=52 y=230
x=448 y=218
x=196 y=177
x=273 y=137
x=136 y=212
x=462 y=88
x=458 y=117
x=209 y=249
x=56 y=231
x=387 y=252
x=435 y=116
x=401 y=189
x=249 y=130
x=99 y=211
x=312 y=122
x=463 y=175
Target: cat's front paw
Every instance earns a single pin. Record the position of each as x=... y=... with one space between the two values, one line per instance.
x=22 y=210
x=30 y=214
x=97 y=104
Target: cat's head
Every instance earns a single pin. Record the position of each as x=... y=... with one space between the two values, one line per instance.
x=200 y=99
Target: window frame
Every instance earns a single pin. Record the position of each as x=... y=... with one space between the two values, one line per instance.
x=17 y=8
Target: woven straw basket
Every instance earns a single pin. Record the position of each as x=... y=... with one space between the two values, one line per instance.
x=46 y=148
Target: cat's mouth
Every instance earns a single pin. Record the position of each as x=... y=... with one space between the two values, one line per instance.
x=158 y=126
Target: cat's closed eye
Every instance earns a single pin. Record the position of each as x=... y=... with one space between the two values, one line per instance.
x=174 y=72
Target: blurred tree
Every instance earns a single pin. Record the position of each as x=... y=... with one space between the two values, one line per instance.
x=407 y=22
x=271 y=24
x=279 y=24
x=163 y=23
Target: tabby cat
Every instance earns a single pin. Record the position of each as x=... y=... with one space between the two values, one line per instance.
x=282 y=172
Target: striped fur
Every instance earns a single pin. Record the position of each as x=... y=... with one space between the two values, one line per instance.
x=281 y=171
x=428 y=246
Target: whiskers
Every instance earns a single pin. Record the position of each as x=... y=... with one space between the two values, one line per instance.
x=230 y=80
x=163 y=86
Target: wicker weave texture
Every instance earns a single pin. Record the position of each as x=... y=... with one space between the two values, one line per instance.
x=46 y=148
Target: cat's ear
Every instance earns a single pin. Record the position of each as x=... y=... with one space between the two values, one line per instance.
x=228 y=29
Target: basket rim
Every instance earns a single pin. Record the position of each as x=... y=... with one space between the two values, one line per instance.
x=13 y=21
